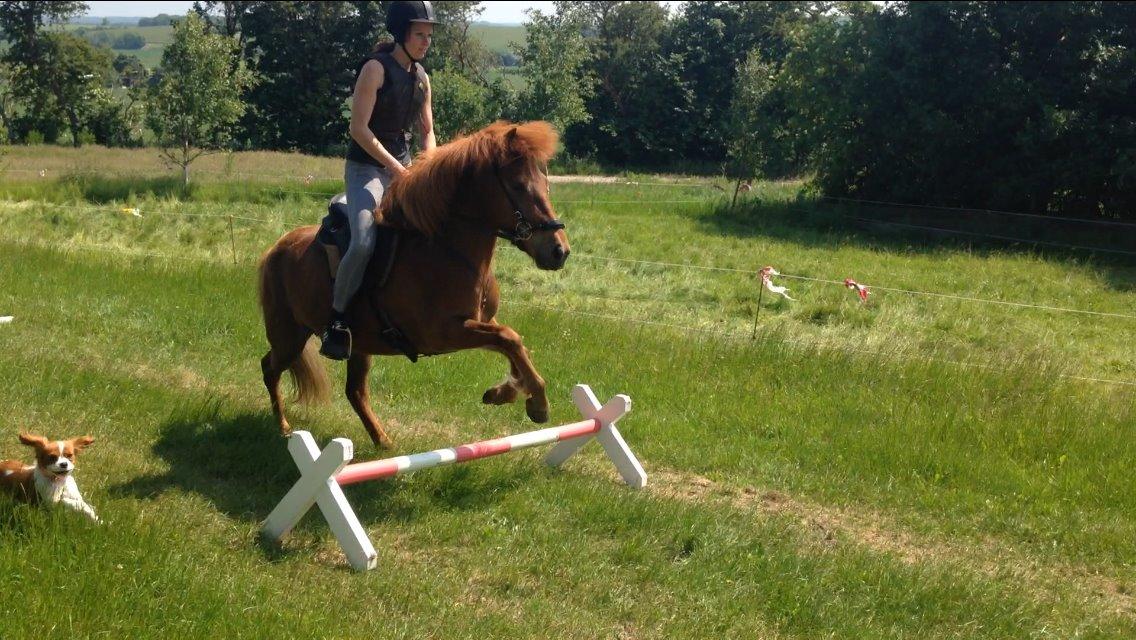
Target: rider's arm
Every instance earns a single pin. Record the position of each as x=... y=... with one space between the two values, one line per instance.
x=362 y=104
x=426 y=119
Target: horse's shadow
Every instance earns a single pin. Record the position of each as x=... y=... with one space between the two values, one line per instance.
x=241 y=465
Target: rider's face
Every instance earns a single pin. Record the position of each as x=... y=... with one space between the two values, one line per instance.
x=418 y=39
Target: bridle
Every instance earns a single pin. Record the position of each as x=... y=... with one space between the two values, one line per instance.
x=524 y=228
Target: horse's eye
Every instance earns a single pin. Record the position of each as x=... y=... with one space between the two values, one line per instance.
x=519 y=186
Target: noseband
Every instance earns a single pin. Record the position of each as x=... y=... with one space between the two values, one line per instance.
x=524 y=229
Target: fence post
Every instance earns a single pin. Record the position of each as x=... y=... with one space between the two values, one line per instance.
x=233 y=239
x=760 y=290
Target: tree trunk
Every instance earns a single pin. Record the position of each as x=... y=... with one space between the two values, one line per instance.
x=185 y=164
x=73 y=119
x=737 y=188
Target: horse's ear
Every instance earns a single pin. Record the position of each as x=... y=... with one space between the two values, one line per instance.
x=511 y=138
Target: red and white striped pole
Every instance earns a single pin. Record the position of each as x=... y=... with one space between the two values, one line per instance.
x=323 y=474
x=390 y=467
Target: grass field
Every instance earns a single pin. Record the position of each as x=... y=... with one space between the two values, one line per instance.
x=498 y=37
x=919 y=466
x=156 y=40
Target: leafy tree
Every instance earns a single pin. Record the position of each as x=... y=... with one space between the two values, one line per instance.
x=79 y=70
x=460 y=105
x=128 y=40
x=640 y=97
x=131 y=72
x=712 y=39
x=552 y=59
x=22 y=21
x=454 y=47
x=7 y=102
x=193 y=108
x=45 y=76
x=750 y=126
x=109 y=121
x=1027 y=107
x=305 y=54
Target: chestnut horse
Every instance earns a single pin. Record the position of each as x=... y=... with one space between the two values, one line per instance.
x=440 y=292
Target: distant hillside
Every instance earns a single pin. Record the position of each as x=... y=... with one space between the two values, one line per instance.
x=496 y=37
x=156 y=37
x=96 y=20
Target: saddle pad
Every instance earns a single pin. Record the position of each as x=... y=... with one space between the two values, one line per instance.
x=335 y=236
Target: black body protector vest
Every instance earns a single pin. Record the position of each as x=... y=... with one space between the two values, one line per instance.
x=399 y=101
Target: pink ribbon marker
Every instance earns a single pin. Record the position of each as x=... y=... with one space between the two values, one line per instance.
x=767 y=274
x=860 y=289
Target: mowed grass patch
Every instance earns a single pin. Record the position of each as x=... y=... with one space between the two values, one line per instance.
x=675 y=255
x=158 y=358
x=23 y=163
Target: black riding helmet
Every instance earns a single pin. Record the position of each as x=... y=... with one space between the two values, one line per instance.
x=401 y=14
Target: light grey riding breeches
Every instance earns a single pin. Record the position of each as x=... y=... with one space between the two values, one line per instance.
x=365 y=186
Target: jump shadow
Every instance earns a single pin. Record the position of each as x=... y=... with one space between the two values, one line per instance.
x=240 y=464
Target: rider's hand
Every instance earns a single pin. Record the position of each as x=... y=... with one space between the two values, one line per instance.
x=400 y=172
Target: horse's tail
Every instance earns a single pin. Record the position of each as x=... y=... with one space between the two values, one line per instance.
x=309 y=377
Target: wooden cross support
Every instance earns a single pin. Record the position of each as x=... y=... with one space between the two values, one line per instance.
x=323 y=474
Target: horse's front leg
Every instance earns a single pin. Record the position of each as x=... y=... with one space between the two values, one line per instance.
x=505 y=391
x=473 y=334
x=357 y=367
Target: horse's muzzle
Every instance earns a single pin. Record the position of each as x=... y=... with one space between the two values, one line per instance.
x=553 y=256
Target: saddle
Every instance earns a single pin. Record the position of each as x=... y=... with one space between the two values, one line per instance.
x=335 y=236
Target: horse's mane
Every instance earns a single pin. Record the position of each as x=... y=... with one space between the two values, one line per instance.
x=424 y=196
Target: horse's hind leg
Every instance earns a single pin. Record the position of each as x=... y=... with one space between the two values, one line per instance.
x=286 y=344
x=357 y=367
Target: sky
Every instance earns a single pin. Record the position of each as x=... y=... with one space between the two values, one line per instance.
x=494 y=11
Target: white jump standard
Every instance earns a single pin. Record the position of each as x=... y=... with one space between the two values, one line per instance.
x=322 y=474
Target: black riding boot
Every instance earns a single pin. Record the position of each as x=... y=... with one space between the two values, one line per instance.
x=336 y=338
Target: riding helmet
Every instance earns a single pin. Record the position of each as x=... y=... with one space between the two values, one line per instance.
x=401 y=14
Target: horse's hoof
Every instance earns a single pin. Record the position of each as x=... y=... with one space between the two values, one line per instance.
x=501 y=394
x=385 y=443
x=285 y=431
x=538 y=412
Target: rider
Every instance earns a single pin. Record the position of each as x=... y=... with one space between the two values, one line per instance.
x=391 y=91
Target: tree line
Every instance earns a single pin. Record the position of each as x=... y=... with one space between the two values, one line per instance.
x=1020 y=106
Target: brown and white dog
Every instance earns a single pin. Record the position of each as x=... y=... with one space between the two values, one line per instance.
x=49 y=480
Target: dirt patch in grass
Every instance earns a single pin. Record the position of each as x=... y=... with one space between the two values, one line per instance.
x=835 y=525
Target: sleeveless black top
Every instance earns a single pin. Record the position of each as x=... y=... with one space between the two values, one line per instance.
x=398 y=103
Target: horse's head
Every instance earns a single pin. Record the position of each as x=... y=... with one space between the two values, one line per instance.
x=496 y=178
x=522 y=213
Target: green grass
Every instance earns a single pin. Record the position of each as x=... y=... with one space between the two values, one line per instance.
x=842 y=476
x=511 y=75
x=150 y=55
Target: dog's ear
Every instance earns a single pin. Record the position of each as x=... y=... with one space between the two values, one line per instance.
x=82 y=442
x=33 y=441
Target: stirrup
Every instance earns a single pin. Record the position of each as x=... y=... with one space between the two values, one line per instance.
x=336 y=341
